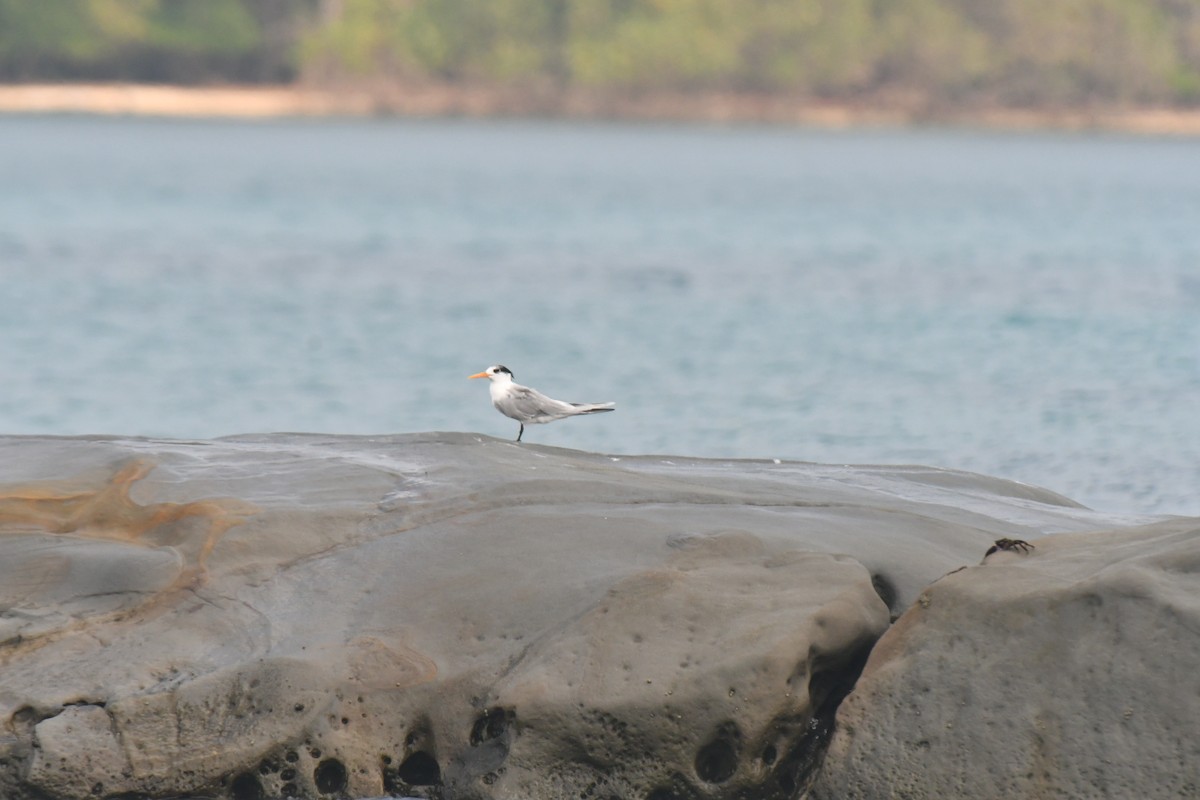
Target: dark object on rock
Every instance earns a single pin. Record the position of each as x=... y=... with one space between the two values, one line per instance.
x=1011 y=545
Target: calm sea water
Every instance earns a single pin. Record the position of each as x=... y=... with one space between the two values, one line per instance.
x=1026 y=306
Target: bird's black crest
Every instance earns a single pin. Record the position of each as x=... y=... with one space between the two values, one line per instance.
x=502 y=368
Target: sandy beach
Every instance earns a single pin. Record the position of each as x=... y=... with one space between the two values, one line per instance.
x=440 y=101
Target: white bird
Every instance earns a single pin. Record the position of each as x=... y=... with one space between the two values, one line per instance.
x=527 y=405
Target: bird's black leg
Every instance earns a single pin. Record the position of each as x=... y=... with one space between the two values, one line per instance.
x=522 y=432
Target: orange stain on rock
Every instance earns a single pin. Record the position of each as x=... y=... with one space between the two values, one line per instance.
x=108 y=512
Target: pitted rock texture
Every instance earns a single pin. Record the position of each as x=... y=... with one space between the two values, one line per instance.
x=1070 y=671
x=453 y=616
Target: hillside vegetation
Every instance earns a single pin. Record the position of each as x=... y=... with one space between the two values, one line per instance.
x=942 y=53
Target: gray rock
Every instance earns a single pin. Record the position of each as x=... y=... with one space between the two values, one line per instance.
x=1070 y=671
x=453 y=615
x=77 y=754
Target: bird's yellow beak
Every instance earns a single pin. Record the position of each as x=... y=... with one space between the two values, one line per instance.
x=478 y=375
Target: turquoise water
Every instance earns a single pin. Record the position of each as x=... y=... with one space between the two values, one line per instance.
x=1025 y=306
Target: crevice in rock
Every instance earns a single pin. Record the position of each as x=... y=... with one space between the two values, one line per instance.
x=827 y=688
x=26 y=718
x=888 y=593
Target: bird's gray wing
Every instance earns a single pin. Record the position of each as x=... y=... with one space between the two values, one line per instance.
x=530 y=405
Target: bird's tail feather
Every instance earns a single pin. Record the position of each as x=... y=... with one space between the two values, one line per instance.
x=594 y=408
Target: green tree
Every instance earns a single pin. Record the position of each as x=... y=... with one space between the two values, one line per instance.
x=820 y=47
x=1077 y=51
x=33 y=35
x=133 y=39
x=940 y=52
x=655 y=44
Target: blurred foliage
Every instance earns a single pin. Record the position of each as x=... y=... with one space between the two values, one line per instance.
x=181 y=41
x=1037 y=53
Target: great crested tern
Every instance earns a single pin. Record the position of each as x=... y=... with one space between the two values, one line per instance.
x=530 y=406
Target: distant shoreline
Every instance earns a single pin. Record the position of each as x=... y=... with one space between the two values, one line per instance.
x=253 y=102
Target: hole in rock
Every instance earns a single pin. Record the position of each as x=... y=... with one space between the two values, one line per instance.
x=769 y=754
x=420 y=769
x=716 y=762
x=25 y=715
x=246 y=787
x=490 y=726
x=330 y=776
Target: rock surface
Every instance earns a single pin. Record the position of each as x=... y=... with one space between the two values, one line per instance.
x=1073 y=671
x=454 y=616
